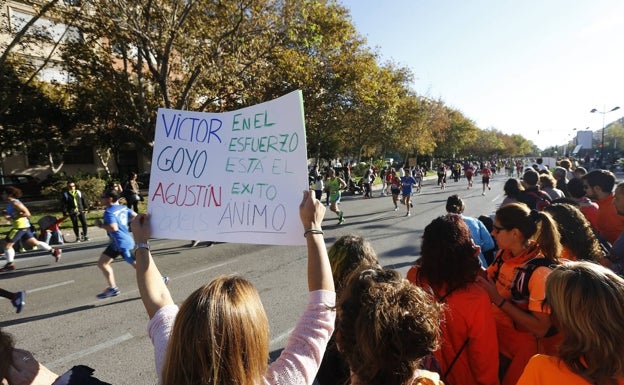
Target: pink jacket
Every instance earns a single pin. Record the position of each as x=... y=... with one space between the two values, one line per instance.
x=299 y=360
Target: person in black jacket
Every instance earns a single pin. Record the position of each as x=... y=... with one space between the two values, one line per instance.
x=74 y=204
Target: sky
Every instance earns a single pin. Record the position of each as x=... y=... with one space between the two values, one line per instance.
x=529 y=67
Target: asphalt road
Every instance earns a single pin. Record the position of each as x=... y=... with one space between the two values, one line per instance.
x=64 y=324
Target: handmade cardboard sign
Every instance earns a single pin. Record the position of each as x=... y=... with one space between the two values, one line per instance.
x=231 y=177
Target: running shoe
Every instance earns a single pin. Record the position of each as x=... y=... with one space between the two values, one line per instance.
x=9 y=266
x=396 y=209
x=109 y=292
x=340 y=218
x=194 y=243
x=408 y=214
x=165 y=279
x=57 y=254
x=411 y=204
x=18 y=301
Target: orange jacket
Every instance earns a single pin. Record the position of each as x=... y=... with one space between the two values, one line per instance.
x=468 y=315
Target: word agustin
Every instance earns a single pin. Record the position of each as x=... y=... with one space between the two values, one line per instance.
x=237 y=184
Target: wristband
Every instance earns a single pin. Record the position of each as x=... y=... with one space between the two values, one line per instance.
x=143 y=246
x=312 y=231
x=501 y=303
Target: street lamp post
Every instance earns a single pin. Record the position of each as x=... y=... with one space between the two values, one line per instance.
x=603 y=112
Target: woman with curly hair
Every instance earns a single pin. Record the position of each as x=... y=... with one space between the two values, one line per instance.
x=348 y=254
x=528 y=242
x=577 y=237
x=448 y=268
x=587 y=305
x=385 y=327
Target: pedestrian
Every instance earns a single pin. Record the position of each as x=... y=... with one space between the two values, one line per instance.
x=367 y=183
x=385 y=327
x=17 y=299
x=486 y=174
x=598 y=185
x=512 y=189
x=116 y=223
x=480 y=235
x=577 y=237
x=588 y=208
x=319 y=186
x=20 y=367
x=335 y=185
x=615 y=256
x=528 y=242
x=448 y=268
x=547 y=184
x=132 y=192
x=20 y=230
x=382 y=176
x=389 y=177
x=561 y=180
x=533 y=196
x=348 y=254
x=587 y=304
x=75 y=206
x=407 y=185
x=220 y=333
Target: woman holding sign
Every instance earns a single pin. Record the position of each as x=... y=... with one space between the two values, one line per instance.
x=335 y=185
x=220 y=333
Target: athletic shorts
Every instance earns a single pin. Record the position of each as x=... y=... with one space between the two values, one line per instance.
x=395 y=191
x=15 y=235
x=334 y=197
x=485 y=180
x=112 y=254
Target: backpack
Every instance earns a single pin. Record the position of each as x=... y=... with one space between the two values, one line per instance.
x=520 y=283
x=540 y=201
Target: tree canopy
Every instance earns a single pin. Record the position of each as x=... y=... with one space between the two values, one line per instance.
x=130 y=58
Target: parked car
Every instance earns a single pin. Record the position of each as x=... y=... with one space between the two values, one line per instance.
x=30 y=186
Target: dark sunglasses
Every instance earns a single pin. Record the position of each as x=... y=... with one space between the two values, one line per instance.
x=499 y=228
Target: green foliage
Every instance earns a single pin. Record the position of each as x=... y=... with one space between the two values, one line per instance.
x=90 y=187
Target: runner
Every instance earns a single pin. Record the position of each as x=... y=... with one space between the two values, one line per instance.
x=486 y=174
x=395 y=188
x=407 y=182
x=117 y=225
x=418 y=175
x=469 y=172
x=442 y=176
x=20 y=230
x=335 y=185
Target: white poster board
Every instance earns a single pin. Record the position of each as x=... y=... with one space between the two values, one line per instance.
x=230 y=177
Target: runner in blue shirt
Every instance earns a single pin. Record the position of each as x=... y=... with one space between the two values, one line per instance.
x=407 y=183
x=116 y=223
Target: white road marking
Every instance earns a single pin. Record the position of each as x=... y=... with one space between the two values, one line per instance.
x=50 y=286
x=91 y=350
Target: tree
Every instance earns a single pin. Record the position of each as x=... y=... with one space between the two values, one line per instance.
x=32 y=114
x=138 y=56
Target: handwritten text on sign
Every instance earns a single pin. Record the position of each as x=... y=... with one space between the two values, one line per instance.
x=231 y=177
